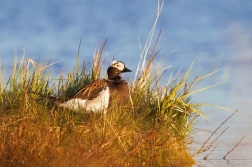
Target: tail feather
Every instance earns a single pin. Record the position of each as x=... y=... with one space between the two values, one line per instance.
x=52 y=98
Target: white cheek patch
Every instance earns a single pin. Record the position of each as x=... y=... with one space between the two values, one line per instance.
x=98 y=104
x=119 y=65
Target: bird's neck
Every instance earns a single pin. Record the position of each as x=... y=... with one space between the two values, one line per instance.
x=115 y=78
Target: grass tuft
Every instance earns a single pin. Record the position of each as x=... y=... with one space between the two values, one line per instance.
x=151 y=129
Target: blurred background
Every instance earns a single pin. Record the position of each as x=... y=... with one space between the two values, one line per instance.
x=217 y=33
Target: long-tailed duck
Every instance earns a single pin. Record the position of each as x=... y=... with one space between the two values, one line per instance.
x=98 y=95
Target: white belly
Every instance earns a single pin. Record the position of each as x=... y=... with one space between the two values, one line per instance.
x=98 y=104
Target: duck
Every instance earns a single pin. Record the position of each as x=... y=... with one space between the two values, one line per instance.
x=99 y=95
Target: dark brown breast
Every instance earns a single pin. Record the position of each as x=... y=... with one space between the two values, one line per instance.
x=119 y=90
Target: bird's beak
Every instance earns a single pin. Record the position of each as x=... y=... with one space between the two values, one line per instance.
x=126 y=70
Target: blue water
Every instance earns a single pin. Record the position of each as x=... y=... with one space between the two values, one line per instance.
x=218 y=33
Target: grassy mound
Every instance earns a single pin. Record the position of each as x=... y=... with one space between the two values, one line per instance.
x=152 y=129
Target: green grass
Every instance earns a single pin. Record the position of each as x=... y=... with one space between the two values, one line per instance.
x=151 y=130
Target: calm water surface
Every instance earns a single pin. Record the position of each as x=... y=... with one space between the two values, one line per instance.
x=242 y=154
